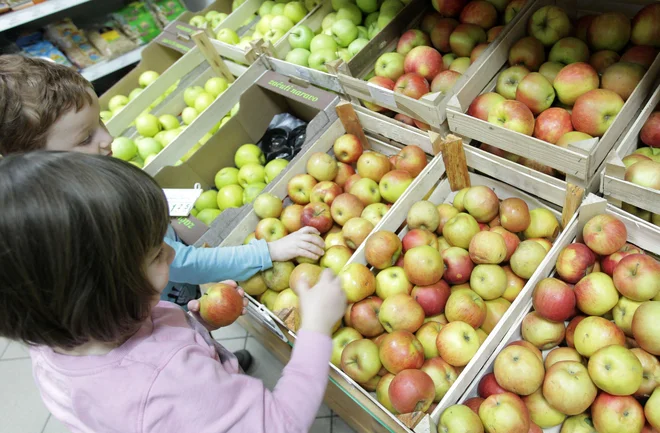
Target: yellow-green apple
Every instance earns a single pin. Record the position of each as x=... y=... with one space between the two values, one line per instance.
x=543 y=224
x=317 y=215
x=529 y=346
x=514 y=284
x=561 y=354
x=527 y=258
x=400 y=312
x=535 y=91
x=270 y=229
x=460 y=229
x=552 y=124
x=267 y=206
x=631 y=159
x=446 y=212
x=425 y=61
x=360 y=360
x=570 y=330
x=514 y=214
x=392 y=281
x=549 y=24
x=340 y=340
x=604 y=234
x=344 y=171
x=488 y=386
x=504 y=412
x=512 y=10
x=365 y=189
x=427 y=335
x=355 y=231
x=347 y=148
x=466 y=306
x=318 y=59
x=609 y=31
x=651 y=369
x=428 y=21
x=382 y=392
x=460 y=418
x=400 y=350
x=477 y=52
x=418 y=237
x=481 y=202
x=440 y=318
x=594 y=111
x=644 y=173
x=322 y=166
x=483 y=104
x=364 y=317
x=304 y=275
x=444 y=81
x=458 y=200
x=513 y=115
x=412 y=85
x=375 y=212
x=615 y=414
x=300 y=188
x=423 y=265
x=411 y=159
x=479 y=12
x=373 y=165
x=616 y=370
x=221 y=305
x=336 y=257
x=465 y=37
x=543 y=242
x=554 y=300
x=569 y=50
x=393 y=184
x=622 y=78
x=432 y=298
x=457 y=343
x=301 y=37
x=650 y=133
x=423 y=215
x=623 y=314
x=458 y=265
x=390 y=65
x=596 y=294
x=411 y=390
x=643 y=329
x=540 y=411
x=345 y=207
x=528 y=52
x=441 y=32
x=550 y=70
x=642 y=55
x=517 y=369
x=460 y=64
x=291 y=217
x=442 y=374
x=488 y=247
x=637 y=277
x=541 y=332
x=644 y=27
x=594 y=333
x=575 y=80
x=325 y=192
x=357 y=281
x=510 y=240
x=268 y=298
x=383 y=249
x=581 y=423
x=652 y=409
x=277 y=278
x=255 y=285
x=495 y=310
x=410 y=39
x=601 y=60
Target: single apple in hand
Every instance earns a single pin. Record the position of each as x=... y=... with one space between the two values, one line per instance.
x=221 y=305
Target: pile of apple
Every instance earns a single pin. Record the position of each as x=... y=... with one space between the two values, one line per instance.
x=155 y=133
x=566 y=83
x=606 y=378
x=435 y=294
x=238 y=185
x=343 y=33
x=211 y=19
x=433 y=58
x=118 y=102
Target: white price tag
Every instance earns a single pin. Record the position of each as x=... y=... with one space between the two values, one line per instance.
x=181 y=201
x=381 y=95
x=303 y=73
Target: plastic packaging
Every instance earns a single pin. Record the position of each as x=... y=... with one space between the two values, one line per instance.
x=46 y=50
x=166 y=10
x=73 y=42
x=284 y=137
x=138 y=23
x=109 y=40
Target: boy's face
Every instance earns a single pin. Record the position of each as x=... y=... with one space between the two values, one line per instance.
x=158 y=267
x=80 y=131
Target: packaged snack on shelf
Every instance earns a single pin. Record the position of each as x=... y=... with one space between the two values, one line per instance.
x=137 y=22
x=46 y=50
x=166 y=10
x=73 y=42
x=108 y=39
x=25 y=39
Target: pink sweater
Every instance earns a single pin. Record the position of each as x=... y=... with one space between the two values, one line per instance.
x=169 y=377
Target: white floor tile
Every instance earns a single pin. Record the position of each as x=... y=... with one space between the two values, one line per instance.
x=16 y=350
x=54 y=426
x=324 y=411
x=21 y=408
x=3 y=345
x=339 y=426
x=265 y=366
x=321 y=425
x=232 y=331
x=234 y=344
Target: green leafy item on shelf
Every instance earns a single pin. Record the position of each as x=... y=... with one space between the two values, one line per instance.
x=167 y=10
x=138 y=22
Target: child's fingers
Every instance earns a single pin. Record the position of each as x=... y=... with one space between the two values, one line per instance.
x=312 y=248
x=193 y=306
x=315 y=239
x=241 y=292
x=301 y=252
x=309 y=230
x=230 y=283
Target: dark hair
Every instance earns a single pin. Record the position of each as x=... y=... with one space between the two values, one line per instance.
x=34 y=93
x=76 y=232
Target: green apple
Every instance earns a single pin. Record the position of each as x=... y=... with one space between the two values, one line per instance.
x=363 y=33
x=274 y=167
x=190 y=152
x=311 y=4
x=318 y=59
x=274 y=35
x=105 y=116
x=298 y=56
x=159 y=137
x=249 y=154
x=350 y=12
x=147 y=125
x=235 y=4
x=207 y=216
x=264 y=23
x=267 y=205
x=301 y=37
x=188 y=115
x=136 y=162
x=357 y=45
x=295 y=11
x=224 y=120
x=328 y=20
x=373 y=30
x=135 y=93
x=235 y=109
x=157 y=101
x=207 y=200
x=169 y=136
x=148 y=77
x=278 y=9
x=322 y=42
x=198 y=21
x=226 y=176
x=217 y=19
x=338 y=4
x=123 y=148
x=265 y=8
x=251 y=173
x=210 y=14
x=148 y=146
x=281 y=23
x=367 y=6
x=206 y=137
x=391 y=7
x=228 y=36
x=148 y=160
x=252 y=191
x=190 y=94
x=117 y=102
x=384 y=20
x=203 y=100
x=168 y=122
x=216 y=85
x=230 y=196
x=344 y=55
x=193 y=211
x=249 y=20
x=372 y=18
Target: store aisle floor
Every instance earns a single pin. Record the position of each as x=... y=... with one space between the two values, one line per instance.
x=21 y=409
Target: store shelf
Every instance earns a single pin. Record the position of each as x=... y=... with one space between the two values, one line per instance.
x=102 y=69
x=41 y=10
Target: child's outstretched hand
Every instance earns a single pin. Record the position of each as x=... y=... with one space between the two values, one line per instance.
x=193 y=306
x=306 y=242
x=322 y=306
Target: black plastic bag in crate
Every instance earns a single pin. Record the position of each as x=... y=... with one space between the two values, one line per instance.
x=284 y=137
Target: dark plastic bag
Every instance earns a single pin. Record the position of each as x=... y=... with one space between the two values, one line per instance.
x=284 y=137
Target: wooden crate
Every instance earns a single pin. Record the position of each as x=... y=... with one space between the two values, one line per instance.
x=640 y=233
x=429 y=108
x=613 y=186
x=580 y=161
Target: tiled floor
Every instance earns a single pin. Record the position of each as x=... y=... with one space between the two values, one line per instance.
x=21 y=409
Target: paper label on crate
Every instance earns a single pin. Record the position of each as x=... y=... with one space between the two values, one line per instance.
x=181 y=201
x=381 y=95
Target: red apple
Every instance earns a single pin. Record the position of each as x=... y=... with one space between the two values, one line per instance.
x=474 y=404
x=410 y=39
x=574 y=262
x=601 y=60
x=291 y=217
x=412 y=85
x=424 y=61
x=401 y=350
x=419 y=237
x=650 y=133
x=536 y=92
x=596 y=294
x=457 y=343
x=483 y=104
x=465 y=37
x=513 y=115
x=570 y=330
x=488 y=386
x=609 y=31
x=481 y=202
x=442 y=374
x=448 y=8
x=440 y=33
x=384 y=82
x=221 y=305
x=317 y=215
x=364 y=316
x=529 y=346
x=637 y=277
x=325 y=192
x=574 y=81
x=423 y=265
x=604 y=234
x=347 y=148
x=458 y=265
x=432 y=298
x=479 y=12
x=344 y=171
x=614 y=414
x=528 y=52
x=554 y=300
x=514 y=214
x=645 y=26
x=411 y=391
x=404 y=119
x=582 y=26
x=622 y=78
x=640 y=54
x=608 y=263
x=552 y=124
x=594 y=111
x=345 y=207
x=466 y=306
x=382 y=249
x=411 y=159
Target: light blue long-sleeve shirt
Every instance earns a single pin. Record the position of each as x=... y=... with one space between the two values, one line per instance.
x=193 y=266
